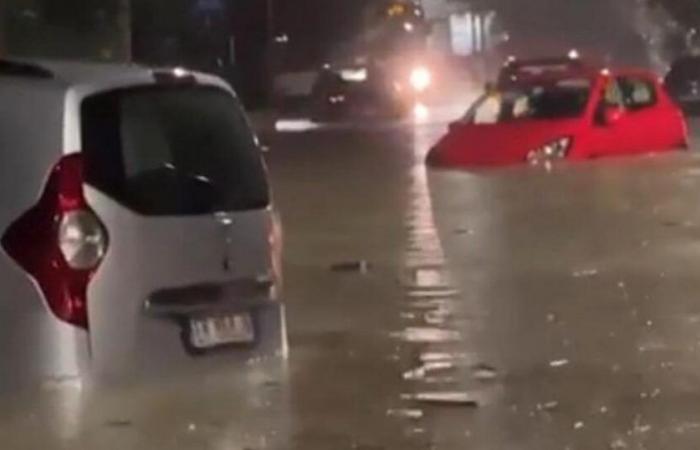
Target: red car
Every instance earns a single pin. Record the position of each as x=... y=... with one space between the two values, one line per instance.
x=554 y=109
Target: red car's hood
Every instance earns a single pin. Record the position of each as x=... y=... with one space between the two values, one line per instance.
x=498 y=144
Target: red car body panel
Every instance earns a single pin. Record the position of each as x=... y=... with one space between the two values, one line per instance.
x=656 y=128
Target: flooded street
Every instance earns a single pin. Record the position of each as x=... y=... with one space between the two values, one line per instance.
x=518 y=309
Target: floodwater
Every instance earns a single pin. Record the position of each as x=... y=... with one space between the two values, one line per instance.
x=518 y=308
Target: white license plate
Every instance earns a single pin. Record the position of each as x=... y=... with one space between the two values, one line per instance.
x=211 y=332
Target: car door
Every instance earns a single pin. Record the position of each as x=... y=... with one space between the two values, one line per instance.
x=606 y=138
x=645 y=126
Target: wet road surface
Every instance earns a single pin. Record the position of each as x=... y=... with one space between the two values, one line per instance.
x=510 y=309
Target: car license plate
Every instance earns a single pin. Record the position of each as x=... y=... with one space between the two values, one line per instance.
x=209 y=332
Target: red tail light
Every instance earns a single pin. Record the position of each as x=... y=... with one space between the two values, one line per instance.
x=60 y=242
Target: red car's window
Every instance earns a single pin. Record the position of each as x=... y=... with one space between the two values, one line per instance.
x=637 y=92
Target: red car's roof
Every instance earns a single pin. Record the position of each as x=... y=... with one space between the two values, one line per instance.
x=550 y=70
x=517 y=73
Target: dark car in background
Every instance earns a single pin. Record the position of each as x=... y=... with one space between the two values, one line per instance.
x=683 y=83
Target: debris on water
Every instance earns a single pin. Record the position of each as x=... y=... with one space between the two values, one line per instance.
x=585 y=273
x=650 y=323
x=447 y=398
x=408 y=315
x=433 y=293
x=551 y=317
x=484 y=372
x=119 y=423
x=548 y=406
x=191 y=427
x=420 y=372
x=578 y=425
x=406 y=413
x=559 y=363
x=427 y=334
x=621 y=284
x=360 y=266
x=645 y=243
x=603 y=409
x=464 y=230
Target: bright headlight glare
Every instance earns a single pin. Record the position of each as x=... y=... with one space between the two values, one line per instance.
x=421 y=78
x=552 y=151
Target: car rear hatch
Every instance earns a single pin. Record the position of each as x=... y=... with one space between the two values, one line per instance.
x=176 y=177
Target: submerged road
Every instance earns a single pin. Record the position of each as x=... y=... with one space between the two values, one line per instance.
x=510 y=309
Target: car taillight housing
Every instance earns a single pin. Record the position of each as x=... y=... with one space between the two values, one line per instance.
x=275 y=240
x=60 y=242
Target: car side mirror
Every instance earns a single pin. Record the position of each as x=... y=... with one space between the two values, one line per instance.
x=612 y=115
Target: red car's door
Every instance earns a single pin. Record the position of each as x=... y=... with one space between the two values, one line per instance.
x=606 y=137
x=651 y=122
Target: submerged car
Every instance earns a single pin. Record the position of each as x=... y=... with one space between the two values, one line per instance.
x=563 y=111
x=683 y=83
x=137 y=231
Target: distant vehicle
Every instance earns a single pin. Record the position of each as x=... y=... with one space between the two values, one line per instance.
x=683 y=83
x=368 y=91
x=383 y=74
x=137 y=231
x=540 y=113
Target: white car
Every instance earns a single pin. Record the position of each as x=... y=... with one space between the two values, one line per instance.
x=137 y=231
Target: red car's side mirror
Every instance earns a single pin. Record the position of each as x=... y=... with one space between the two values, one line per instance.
x=612 y=115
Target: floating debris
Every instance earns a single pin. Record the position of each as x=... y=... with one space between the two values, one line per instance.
x=406 y=413
x=361 y=266
x=420 y=372
x=548 y=406
x=433 y=293
x=578 y=425
x=119 y=423
x=559 y=363
x=585 y=273
x=447 y=398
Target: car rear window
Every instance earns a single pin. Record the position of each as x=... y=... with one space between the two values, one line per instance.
x=184 y=150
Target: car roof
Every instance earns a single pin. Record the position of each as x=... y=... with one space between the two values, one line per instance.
x=516 y=72
x=91 y=75
x=551 y=70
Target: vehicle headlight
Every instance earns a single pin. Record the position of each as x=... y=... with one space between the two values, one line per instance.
x=552 y=151
x=420 y=79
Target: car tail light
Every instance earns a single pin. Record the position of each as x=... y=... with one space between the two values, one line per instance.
x=60 y=242
x=275 y=239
